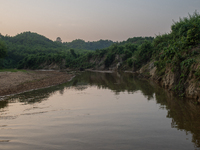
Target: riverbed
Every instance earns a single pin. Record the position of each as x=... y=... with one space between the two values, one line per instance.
x=101 y=111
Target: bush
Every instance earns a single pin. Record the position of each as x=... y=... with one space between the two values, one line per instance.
x=109 y=59
x=143 y=54
x=186 y=64
x=193 y=35
x=130 y=62
x=188 y=27
x=127 y=53
x=3 y=49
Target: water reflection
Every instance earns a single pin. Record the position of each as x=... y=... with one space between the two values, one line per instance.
x=184 y=115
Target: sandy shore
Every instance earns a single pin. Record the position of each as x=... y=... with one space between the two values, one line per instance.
x=17 y=82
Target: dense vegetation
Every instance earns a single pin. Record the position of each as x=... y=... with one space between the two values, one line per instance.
x=30 y=50
x=3 y=52
x=178 y=49
x=124 y=49
x=3 y=49
x=81 y=44
x=25 y=44
x=28 y=45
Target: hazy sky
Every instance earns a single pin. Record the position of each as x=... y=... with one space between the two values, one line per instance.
x=92 y=20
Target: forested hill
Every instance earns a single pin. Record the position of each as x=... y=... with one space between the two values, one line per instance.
x=101 y=44
x=136 y=40
x=28 y=46
x=81 y=44
x=173 y=59
x=29 y=43
x=25 y=44
x=31 y=39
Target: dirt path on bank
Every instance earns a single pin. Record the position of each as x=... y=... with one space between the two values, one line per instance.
x=17 y=82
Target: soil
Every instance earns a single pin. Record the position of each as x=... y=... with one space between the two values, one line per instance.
x=17 y=82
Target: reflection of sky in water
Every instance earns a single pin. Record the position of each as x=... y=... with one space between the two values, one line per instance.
x=86 y=116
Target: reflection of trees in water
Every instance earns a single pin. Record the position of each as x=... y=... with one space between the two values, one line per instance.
x=185 y=115
x=36 y=96
x=123 y=83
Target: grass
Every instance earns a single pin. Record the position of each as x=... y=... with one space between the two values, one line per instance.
x=11 y=70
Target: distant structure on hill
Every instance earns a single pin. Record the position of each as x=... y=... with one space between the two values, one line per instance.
x=58 y=39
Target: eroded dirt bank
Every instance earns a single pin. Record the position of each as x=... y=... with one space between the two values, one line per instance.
x=184 y=84
x=17 y=82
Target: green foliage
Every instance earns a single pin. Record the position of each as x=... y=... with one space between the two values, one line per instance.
x=131 y=47
x=73 y=53
x=109 y=59
x=189 y=28
x=32 y=40
x=193 y=35
x=3 y=49
x=101 y=53
x=81 y=44
x=80 y=62
x=144 y=53
x=34 y=61
x=187 y=63
x=136 y=40
x=3 y=53
x=160 y=65
x=30 y=50
x=130 y=62
x=127 y=54
x=169 y=52
x=28 y=43
x=175 y=48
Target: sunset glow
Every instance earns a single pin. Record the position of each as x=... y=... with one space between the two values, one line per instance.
x=92 y=20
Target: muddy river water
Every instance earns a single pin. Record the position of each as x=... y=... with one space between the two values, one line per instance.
x=99 y=111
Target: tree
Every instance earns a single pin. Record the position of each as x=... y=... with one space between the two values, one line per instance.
x=3 y=49
x=59 y=40
x=73 y=53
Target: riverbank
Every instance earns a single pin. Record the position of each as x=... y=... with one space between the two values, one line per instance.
x=18 y=82
x=185 y=83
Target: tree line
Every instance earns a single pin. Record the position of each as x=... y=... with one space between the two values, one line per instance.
x=178 y=49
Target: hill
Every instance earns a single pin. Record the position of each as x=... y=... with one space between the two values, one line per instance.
x=172 y=60
x=81 y=44
x=31 y=39
x=25 y=44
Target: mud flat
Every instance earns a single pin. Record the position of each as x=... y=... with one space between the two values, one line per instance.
x=18 y=82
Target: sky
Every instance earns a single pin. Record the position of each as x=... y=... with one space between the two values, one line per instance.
x=92 y=20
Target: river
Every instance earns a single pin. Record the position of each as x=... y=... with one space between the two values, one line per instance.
x=99 y=111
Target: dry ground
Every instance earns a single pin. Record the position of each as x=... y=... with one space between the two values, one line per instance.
x=17 y=82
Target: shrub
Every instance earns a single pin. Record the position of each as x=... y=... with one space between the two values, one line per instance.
x=187 y=63
x=127 y=53
x=130 y=62
x=109 y=59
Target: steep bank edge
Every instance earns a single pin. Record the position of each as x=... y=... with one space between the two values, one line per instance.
x=184 y=86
